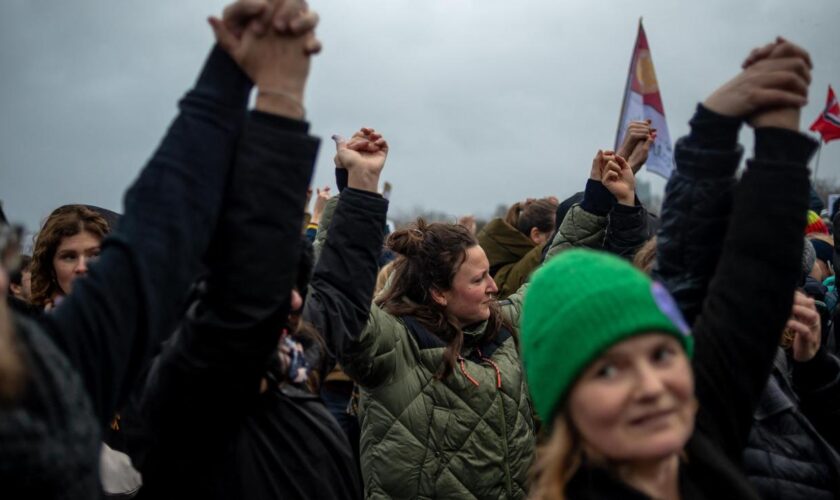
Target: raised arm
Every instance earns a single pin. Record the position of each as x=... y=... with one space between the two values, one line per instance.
x=134 y=294
x=216 y=361
x=341 y=291
x=609 y=217
x=751 y=293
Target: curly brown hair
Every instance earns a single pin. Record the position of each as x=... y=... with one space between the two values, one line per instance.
x=429 y=257
x=64 y=221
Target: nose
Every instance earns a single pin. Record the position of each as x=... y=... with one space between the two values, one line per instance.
x=296 y=301
x=650 y=383
x=81 y=266
x=491 y=287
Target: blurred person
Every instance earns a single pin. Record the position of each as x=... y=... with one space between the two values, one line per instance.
x=514 y=244
x=20 y=282
x=824 y=248
x=77 y=365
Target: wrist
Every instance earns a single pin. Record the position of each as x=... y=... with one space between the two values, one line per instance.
x=280 y=101
x=788 y=118
x=628 y=200
x=363 y=180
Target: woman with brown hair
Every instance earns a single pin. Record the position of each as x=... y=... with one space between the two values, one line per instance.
x=64 y=248
x=444 y=410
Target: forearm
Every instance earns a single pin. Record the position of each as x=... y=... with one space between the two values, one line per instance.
x=751 y=294
x=253 y=257
x=229 y=335
x=342 y=287
x=627 y=230
x=580 y=228
x=695 y=214
x=134 y=295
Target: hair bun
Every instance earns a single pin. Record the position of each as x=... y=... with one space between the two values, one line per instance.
x=407 y=242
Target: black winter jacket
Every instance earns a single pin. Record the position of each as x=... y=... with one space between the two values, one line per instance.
x=217 y=434
x=749 y=297
x=85 y=356
x=785 y=457
x=351 y=265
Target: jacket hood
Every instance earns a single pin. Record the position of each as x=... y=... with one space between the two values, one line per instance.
x=503 y=243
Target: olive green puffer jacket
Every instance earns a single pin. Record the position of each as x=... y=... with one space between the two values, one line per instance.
x=468 y=436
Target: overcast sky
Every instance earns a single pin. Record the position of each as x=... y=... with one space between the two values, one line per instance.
x=483 y=102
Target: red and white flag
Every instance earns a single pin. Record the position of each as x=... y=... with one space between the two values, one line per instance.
x=828 y=123
x=642 y=101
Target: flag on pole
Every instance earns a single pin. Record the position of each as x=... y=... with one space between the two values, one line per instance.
x=828 y=123
x=642 y=101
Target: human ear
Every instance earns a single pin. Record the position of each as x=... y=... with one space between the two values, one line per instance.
x=438 y=297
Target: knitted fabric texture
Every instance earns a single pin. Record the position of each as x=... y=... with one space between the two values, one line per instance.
x=815 y=224
x=577 y=306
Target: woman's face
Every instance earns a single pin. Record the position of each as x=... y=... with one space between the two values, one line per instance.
x=473 y=289
x=73 y=256
x=636 y=401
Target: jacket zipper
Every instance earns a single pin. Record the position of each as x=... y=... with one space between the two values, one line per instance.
x=508 y=482
x=505 y=444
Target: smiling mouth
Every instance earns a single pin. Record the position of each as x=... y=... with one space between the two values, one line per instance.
x=652 y=418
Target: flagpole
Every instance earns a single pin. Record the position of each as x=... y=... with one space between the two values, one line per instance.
x=627 y=85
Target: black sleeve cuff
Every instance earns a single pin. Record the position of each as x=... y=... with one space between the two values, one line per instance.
x=620 y=209
x=341 y=178
x=281 y=122
x=223 y=80
x=361 y=192
x=783 y=145
x=597 y=199
x=710 y=130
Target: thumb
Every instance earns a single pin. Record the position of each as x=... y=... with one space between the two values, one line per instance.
x=224 y=37
x=340 y=142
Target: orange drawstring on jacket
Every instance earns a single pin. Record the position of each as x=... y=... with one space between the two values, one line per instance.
x=463 y=363
x=495 y=366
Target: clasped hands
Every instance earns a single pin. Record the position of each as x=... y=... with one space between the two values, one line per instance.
x=771 y=88
x=272 y=41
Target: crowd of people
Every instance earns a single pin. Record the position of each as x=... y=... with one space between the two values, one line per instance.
x=217 y=340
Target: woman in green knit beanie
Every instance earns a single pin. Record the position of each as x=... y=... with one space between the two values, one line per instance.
x=638 y=406
x=595 y=331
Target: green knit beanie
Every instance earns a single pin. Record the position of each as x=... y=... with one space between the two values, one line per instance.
x=577 y=306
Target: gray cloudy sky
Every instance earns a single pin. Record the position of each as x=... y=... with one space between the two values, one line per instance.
x=483 y=101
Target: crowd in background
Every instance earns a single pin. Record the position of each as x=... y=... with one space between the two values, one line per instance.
x=217 y=339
